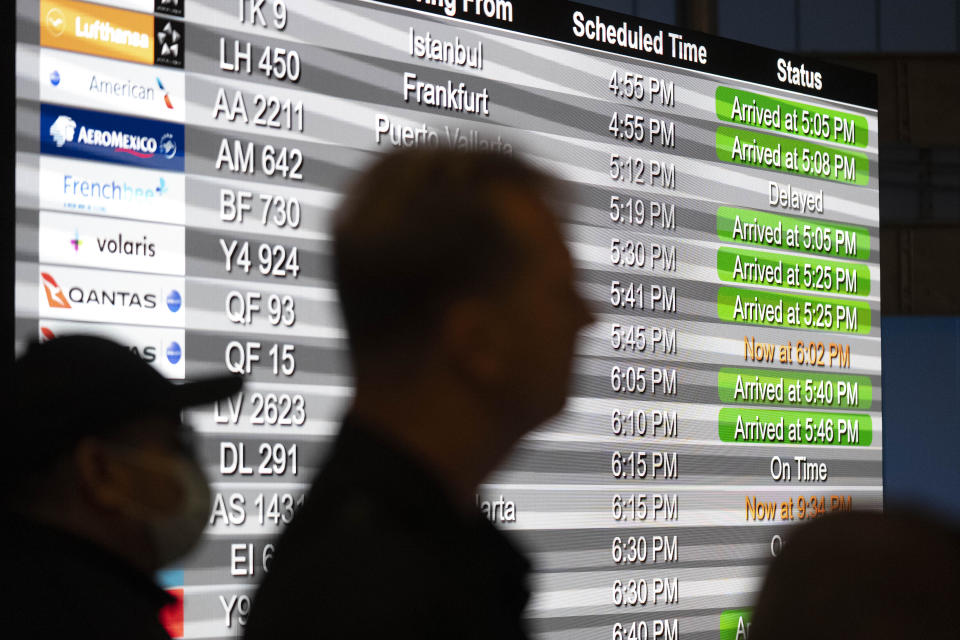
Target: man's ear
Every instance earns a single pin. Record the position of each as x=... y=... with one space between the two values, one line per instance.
x=97 y=477
x=472 y=339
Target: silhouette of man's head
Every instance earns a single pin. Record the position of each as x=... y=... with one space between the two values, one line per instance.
x=451 y=261
x=862 y=576
x=101 y=451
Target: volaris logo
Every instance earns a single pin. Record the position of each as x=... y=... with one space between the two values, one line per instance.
x=62 y=130
x=93 y=135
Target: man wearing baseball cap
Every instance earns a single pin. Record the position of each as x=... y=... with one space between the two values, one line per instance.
x=101 y=489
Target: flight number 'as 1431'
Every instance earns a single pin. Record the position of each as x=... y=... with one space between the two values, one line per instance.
x=267 y=111
x=273 y=260
x=240 y=157
x=276 y=509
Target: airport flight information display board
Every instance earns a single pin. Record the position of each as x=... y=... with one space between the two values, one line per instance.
x=178 y=164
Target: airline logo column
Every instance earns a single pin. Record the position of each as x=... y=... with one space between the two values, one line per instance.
x=112 y=190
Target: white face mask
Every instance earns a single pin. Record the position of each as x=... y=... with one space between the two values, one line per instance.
x=175 y=532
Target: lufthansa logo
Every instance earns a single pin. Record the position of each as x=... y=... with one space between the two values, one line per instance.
x=56 y=22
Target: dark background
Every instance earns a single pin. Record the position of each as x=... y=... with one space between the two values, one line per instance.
x=914 y=48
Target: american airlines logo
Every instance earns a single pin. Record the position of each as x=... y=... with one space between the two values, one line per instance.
x=147 y=91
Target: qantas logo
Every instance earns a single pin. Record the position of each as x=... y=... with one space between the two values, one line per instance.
x=55 y=297
x=58 y=299
x=159 y=347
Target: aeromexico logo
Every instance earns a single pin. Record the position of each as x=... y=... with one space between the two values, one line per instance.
x=99 y=136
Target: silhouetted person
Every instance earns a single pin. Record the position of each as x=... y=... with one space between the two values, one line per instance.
x=863 y=576
x=459 y=301
x=101 y=489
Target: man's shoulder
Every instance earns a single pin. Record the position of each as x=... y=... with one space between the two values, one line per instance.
x=339 y=517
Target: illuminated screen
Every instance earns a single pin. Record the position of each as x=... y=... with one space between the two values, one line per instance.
x=178 y=162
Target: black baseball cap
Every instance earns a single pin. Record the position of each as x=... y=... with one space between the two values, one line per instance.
x=77 y=386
